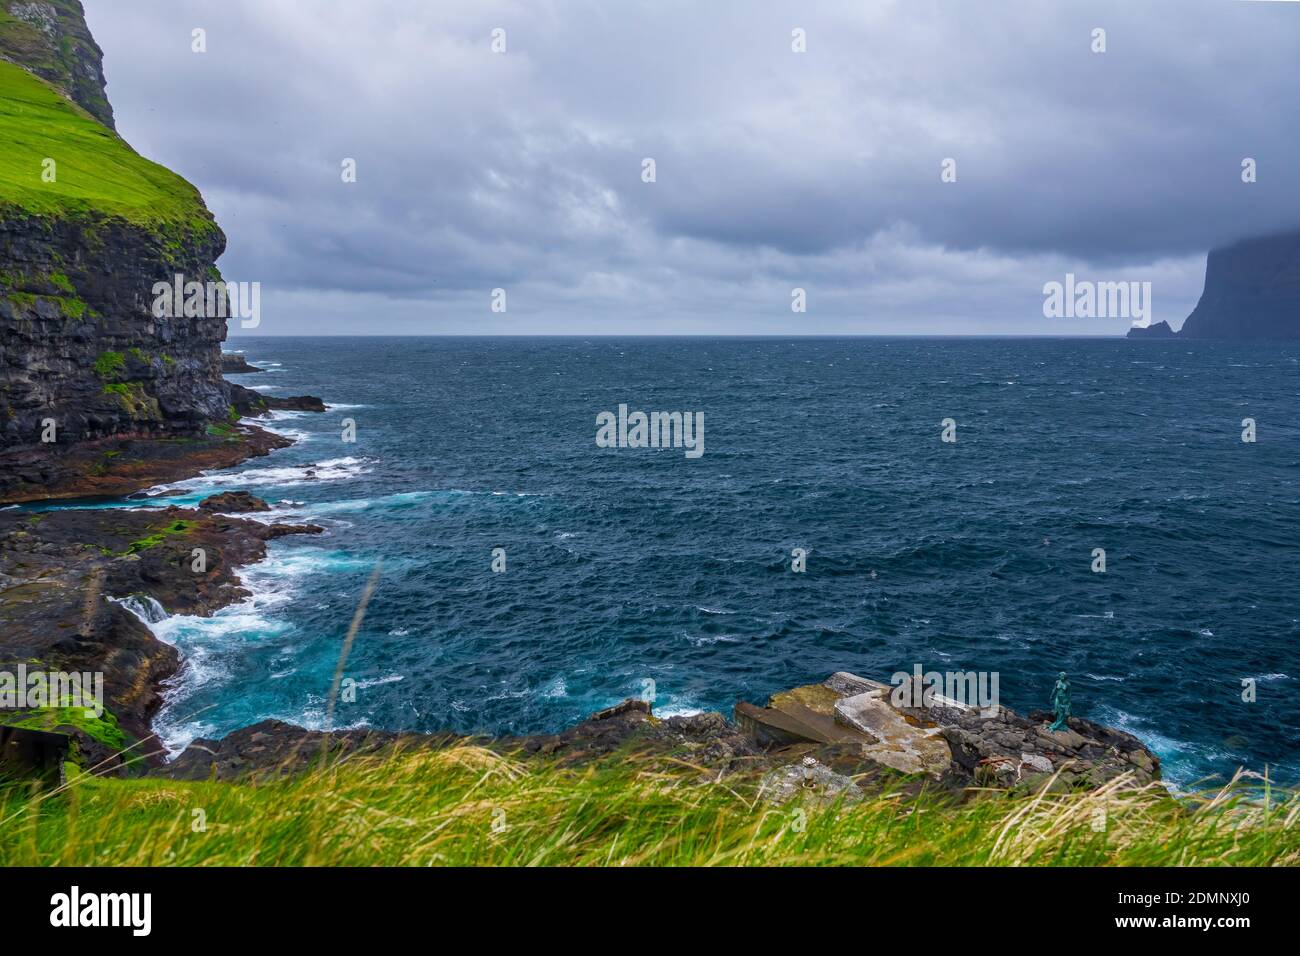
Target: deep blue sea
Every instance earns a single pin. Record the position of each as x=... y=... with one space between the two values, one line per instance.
x=629 y=565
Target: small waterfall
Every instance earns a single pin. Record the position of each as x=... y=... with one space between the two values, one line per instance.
x=144 y=607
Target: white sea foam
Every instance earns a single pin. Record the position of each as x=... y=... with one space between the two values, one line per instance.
x=677 y=708
x=334 y=469
x=1173 y=753
x=209 y=645
x=378 y=681
x=705 y=640
x=317 y=509
x=295 y=435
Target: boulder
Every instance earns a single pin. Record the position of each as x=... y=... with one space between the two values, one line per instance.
x=232 y=363
x=233 y=502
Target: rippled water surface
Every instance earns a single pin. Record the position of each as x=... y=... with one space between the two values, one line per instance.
x=628 y=565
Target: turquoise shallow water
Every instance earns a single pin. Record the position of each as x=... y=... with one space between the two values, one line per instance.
x=627 y=565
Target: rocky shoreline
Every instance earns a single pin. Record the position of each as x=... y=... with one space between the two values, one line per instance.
x=799 y=745
x=125 y=464
x=66 y=576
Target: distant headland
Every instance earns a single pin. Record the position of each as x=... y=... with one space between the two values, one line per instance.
x=1252 y=293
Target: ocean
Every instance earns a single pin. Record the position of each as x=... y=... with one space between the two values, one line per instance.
x=645 y=571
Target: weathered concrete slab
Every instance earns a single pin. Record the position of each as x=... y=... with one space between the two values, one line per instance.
x=773 y=728
x=898 y=743
x=849 y=709
x=802 y=714
x=848 y=685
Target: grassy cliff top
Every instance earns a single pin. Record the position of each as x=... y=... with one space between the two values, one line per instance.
x=466 y=805
x=94 y=170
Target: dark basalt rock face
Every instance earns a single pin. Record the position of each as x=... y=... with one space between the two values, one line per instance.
x=101 y=397
x=273 y=748
x=296 y=403
x=105 y=365
x=80 y=347
x=50 y=38
x=1252 y=293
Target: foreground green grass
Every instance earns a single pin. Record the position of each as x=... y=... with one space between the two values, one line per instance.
x=94 y=169
x=470 y=806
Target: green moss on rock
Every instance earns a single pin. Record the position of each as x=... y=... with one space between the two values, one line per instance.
x=73 y=307
x=109 y=365
x=222 y=430
x=103 y=729
x=158 y=537
x=135 y=401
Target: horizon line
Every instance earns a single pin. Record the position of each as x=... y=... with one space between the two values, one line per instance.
x=677 y=335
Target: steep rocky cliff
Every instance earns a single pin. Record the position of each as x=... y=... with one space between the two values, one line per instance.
x=50 y=38
x=80 y=344
x=87 y=227
x=1252 y=292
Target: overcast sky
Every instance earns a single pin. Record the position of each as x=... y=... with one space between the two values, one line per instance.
x=522 y=170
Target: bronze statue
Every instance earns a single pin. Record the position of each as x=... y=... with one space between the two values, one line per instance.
x=1060 y=703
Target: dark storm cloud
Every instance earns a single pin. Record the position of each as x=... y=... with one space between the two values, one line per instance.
x=774 y=169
